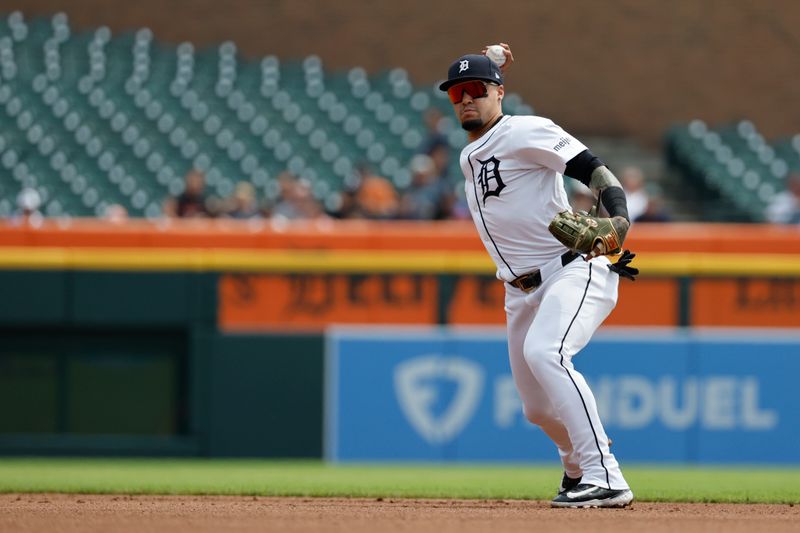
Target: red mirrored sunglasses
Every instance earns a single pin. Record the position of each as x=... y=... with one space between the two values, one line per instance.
x=474 y=88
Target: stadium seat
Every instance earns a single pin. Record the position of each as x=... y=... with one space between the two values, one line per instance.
x=732 y=164
x=97 y=118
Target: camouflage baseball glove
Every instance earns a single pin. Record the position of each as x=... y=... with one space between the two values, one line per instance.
x=589 y=234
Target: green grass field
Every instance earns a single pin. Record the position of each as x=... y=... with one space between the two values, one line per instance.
x=315 y=478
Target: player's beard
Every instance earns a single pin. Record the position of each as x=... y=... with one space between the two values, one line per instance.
x=472 y=124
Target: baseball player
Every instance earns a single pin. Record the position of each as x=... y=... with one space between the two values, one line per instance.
x=555 y=297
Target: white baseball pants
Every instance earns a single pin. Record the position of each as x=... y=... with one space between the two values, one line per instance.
x=546 y=328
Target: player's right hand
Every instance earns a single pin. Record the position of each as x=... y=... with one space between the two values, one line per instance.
x=508 y=54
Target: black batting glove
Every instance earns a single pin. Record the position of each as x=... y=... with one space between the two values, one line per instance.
x=621 y=266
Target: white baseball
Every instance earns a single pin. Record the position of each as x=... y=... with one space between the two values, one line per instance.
x=497 y=54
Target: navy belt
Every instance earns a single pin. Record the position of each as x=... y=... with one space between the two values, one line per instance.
x=532 y=280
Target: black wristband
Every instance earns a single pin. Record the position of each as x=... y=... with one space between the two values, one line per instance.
x=614 y=201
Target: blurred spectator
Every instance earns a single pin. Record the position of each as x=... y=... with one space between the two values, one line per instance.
x=642 y=207
x=429 y=197
x=296 y=200
x=243 y=203
x=633 y=183
x=373 y=196
x=308 y=206
x=192 y=202
x=28 y=203
x=434 y=138
x=460 y=209
x=440 y=155
x=286 y=205
x=655 y=211
x=348 y=205
x=437 y=147
x=581 y=197
x=785 y=206
x=115 y=214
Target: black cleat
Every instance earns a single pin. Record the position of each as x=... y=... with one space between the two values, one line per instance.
x=568 y=483
x=585 y=495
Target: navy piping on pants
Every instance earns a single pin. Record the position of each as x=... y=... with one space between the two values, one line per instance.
x=561 y=362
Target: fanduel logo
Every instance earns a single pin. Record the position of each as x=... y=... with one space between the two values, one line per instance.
x=419 y=385
x=713 y=403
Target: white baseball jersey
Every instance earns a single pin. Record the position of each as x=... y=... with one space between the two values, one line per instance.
x=514 y=188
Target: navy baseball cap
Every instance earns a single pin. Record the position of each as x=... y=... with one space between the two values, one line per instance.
x=472 y=67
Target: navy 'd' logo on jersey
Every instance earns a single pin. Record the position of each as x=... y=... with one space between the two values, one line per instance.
x=489 y=178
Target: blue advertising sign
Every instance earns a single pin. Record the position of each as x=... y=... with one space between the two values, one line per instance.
x=665 y=395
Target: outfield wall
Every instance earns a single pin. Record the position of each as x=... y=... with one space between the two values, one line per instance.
x=132 y=363
x=664 y=396
x=208 y=338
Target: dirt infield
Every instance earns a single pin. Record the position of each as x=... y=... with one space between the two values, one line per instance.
x=53 y=513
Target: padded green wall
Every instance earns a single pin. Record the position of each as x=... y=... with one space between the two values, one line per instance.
x=266 y=396
x=132 y=363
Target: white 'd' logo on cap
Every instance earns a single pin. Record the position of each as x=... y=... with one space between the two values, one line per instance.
x=464 y=65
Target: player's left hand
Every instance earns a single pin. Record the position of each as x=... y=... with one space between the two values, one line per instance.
x=508 y=54
x=589 y=235
x=624 y=270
